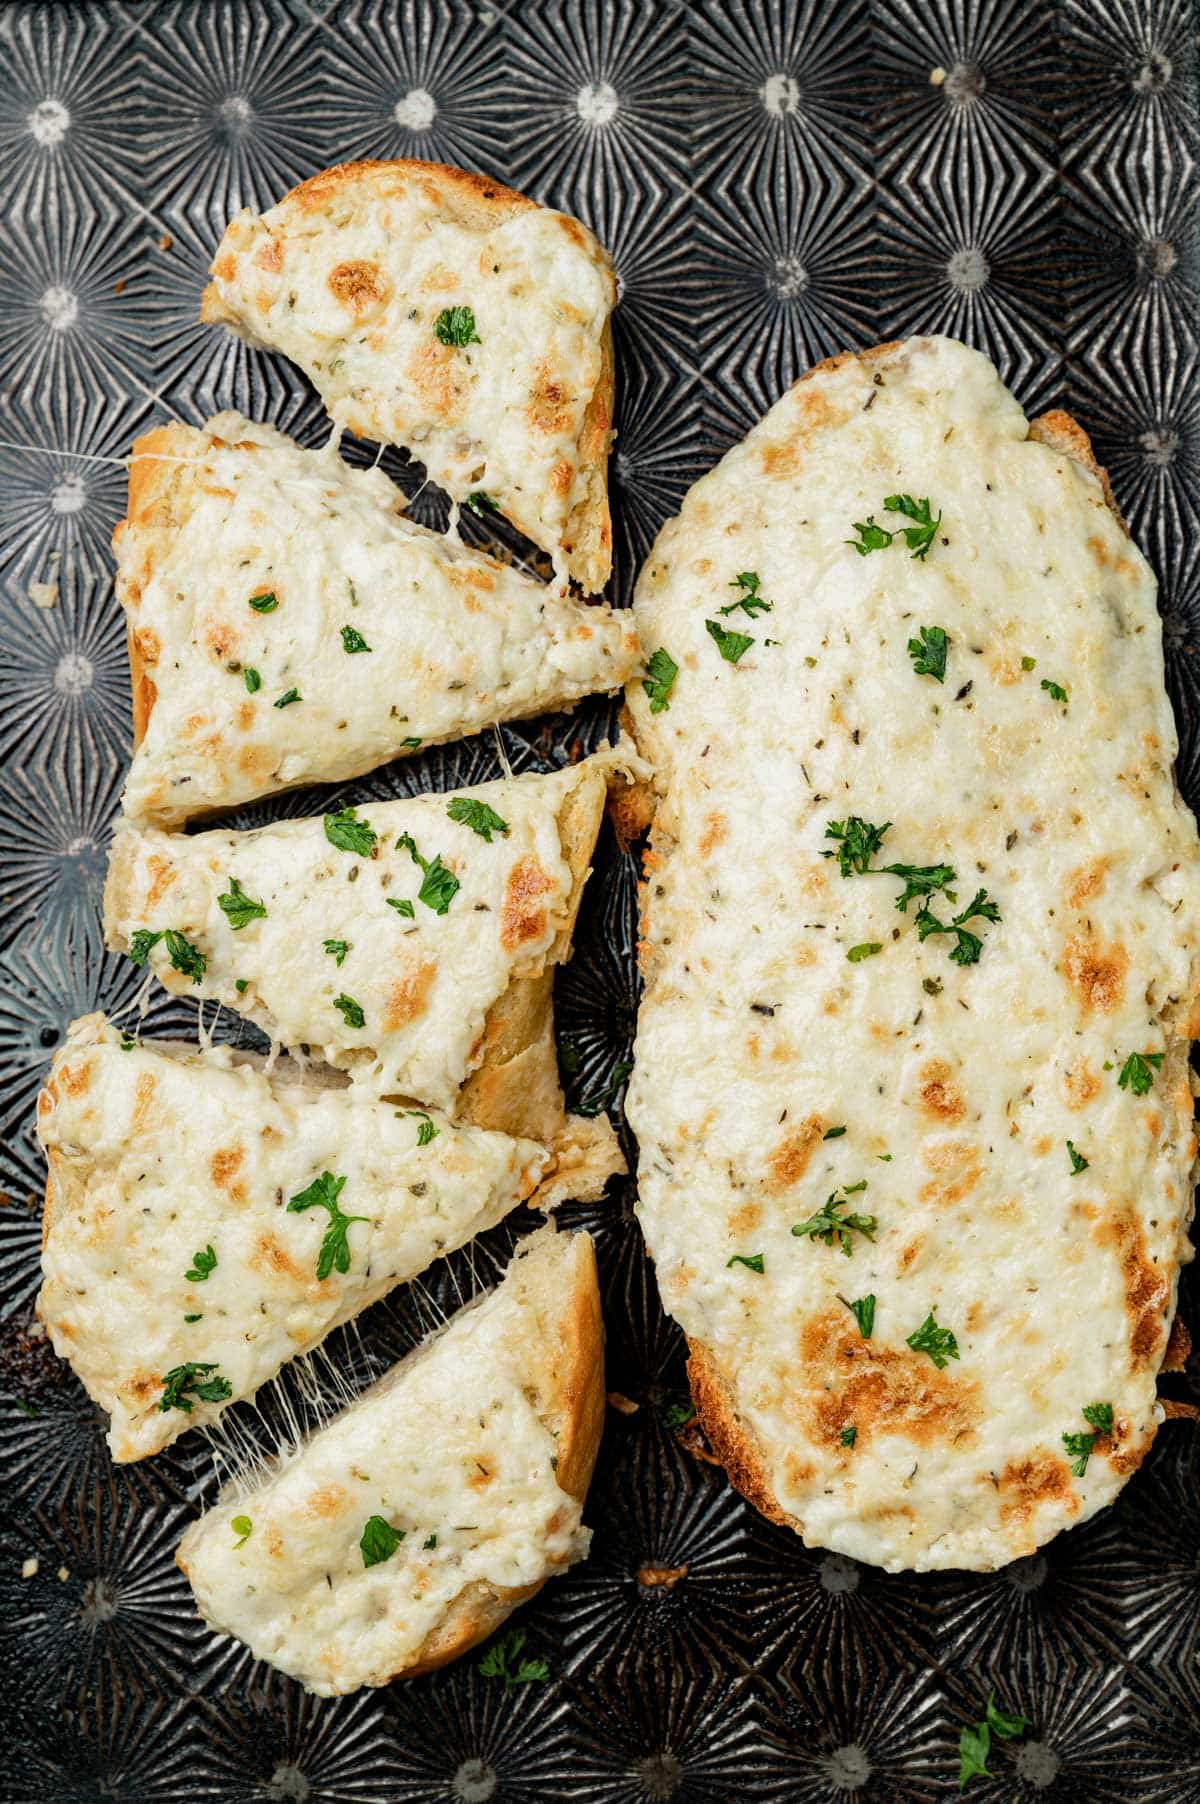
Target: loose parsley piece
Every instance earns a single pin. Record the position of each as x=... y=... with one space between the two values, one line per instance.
x=500 y=1661
x=1028 y=663
x=351 y=1011
x=193 y=1318
x=679 y=1415
x=439 y=886
x=402 y=906
x=974 y=1745
x=190 y=1377
x=928 y=653
x=753 y=1262
x=265 y=603
x=286 y=699
x=1055 y=691
x=478 y=816
x=860 y=841
x=1079 y=1446
x=337 y=950
x=480 y=502
x=238 y=908
x=1136 y=1072
x=939 y=1343
x=243 y=1528
x=600 y=1099
x=659 y=680
x=456 y=326
x=968 y=946
x=830 y=1226
x=868 y=949
x=428 y=1542
x=323 y=1193
x=345 y=831
x=749 y=599
x=870 y=536
x=1078 y=1162
x=142 y=944
x=352 y=640
x=731 y=645
x=127 y=1045
x=185 y=957
x=426 y=1130
x=920 y=536
x=848 y=1436
x=202 y=1263
x=863 y=1311
x=833 y=1133
x=410 y=744
x=379 y=1541
x=1100 y=1415
x=919 y=880
x=241 y=985
x=253 y=680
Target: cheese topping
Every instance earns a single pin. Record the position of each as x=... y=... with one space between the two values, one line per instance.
x=482 y=1508
x=362 y=278
x=808 y=1049
x=269 y=572
x=346 y=957
x=171 y=1240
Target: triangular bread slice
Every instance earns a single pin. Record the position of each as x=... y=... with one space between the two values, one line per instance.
x=431 y=980
x=196 y=1234
x=438 y=310
x=288 y=624
x=404 y=1532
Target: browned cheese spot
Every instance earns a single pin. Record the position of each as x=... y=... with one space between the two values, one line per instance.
x=143 y=1098
x=224 y=1167
x=957 y=1167
x=715 y=830
x=271 y=1257
x=326 y=1502
x=1081 y=1084
x=1146 y=1287
x=522 y=916
x=408 y=997
x=939 y=1097
x=362 y=288
x=551 y=404
x=789 y=1161
x=1087 y=881
x=1028 y=1485
x=1096 y=972
x=269 y=255
x=872 y=1387
x=77 y=1078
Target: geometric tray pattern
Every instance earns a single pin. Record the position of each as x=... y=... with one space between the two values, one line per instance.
x=776 y=181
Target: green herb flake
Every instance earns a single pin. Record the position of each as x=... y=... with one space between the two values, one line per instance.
x=920 y=536
x=1001 y=1723
x=1055 y=691
x=481 y=819
x=429 y=1542
x=679 y=1415
x=659 y=680
x=265 y=603
x=1028 y=663
x=749 y=599
x=859 y=842
x=351 y=1011
x=241 y=985
x=928 y=653
x=1137 y=1073
x=833 y=1133
x=456 y=326
x=193 y=1318
x=831 y=1226
x=286 y=699
x=439 y=886
x=202 y=1263
x=243 y=1528
x=191 y=1377
x=480 y=502
x=753 y=1262
x=502 y=1661
x=378 y=1541
x=323 y=1193
x=1079 y=1447
x=1100 y=1415
x=337 y=950
x=127 y=1045
x=868 y=949
x=402 y=906
x=939 y=1343
x=1078 y=1162
x=345 y=831
x=731 y=645
x=870 y=536
x=410 y=744
x=974 y=1745
x=848 y=1436
x=252 y=679
x=863 y=1311
x=600 y=1099
x=352 y=640
x=968 y=946
x=238 y=908
x=426 y=1130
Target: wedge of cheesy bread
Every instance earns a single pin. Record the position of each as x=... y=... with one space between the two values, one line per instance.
x=920 y=922
x=205 y=1223
x=407 y=1529
x=440 y=311
x=411 y=943
x=288 y=624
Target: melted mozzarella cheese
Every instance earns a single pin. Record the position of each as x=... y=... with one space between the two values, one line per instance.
x=423 y=981
x=159 y=1161
x=350 y=284
x=451 y=1449
x=446 y=641
x=786 y=1001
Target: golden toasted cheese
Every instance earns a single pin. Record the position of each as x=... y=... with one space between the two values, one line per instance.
x=205 y=1223
x=288 y=625
x=990 y=1076
x=406 y=1530
x=440 y=311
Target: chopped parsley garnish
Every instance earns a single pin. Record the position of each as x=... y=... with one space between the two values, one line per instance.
x=480 y=502
x=127 y=1045
x=829 y=1225
x=1078 y=1162
x=1080 y=1446
x=402 y=906
x=265 y=603
x=870 y=536
x=323 y=1193
x=478 y=816
x=352 y=640
x=193 y=1318
x=918 y=537
x=1137 y=1073
x=939 y=1343
x=439 y=886
x=848 y=1436
x=410 y=744
x=967 y=946
x=752 y=1261
x=337 y=950
x=456 y=326
x=860 y=841
x=379 y=1541
x=425 y=1130
x=428 y=1542
x=202 y=1263
x=1028 y=663
x=600 y=1099
x=868 y=949
x=238 y=908
x=974 y=1744
x=345 y=831
x=928 y=653
x=190 y=1377
x=1055 y=691
x=749 y=599
x=659 y=680
x=863 y=1311
x=1100 y=1415
x=185 y=957
x=833 y=1133
x=252 y=678
x=932 y=986
x=679 y=1415
x=241 y=985
x=286 y=699
x=351 y=1011
x=919 y=880
x=501 y=1661
x=243 y=1528
x=731 y=645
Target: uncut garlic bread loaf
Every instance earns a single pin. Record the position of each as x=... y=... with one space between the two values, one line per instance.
x=438 y=310
x=920 y=943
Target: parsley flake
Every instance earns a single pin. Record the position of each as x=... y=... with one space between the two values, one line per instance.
x=1100 y=1415
x=1137 y=1073
x=829 y=1225
x=243 y=1528
x=918 y=537
x=238 y=908
x=752 y=1261
x=426 y=1130
x=833 y=1133
x=600 y=1099
x=202 y=1263
x=469 y=812
x=1028 y=663
x=749 y=599
x=928 y=653
x=351 y=1011
x=190 y=1377
x=286 y=699
x=939 y=1343
x=345 y=831
x=659 y=680
x=500 y=1661
x=1078 y=1162
x=379 y=1541
x=252 y=679
x=265 y=603
x=974 y=1745
x=323 y=1193
x=863 y=1311
x=402 y=906
x=481 y=502
x=868 y=949
x=439 y=886
x=731 y=645
x=679 y=1415
x=456 y=326
x=1079 y=1447
x=968 y=946
x=1055 y=691
x=870 y=536
x=337 y=950
x=860 y=841
x=352 y=640
x=848 y=1436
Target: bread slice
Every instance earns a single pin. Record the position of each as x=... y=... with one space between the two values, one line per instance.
x=438 y=310
x=252 y=571
x=475 y=1452
x=912 y=1390
x=446 y=1000
x=170 y=1239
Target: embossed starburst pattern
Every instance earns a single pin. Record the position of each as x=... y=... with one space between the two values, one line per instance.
x=776 y=180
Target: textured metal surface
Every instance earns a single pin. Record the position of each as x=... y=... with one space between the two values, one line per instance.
x=777 y=179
